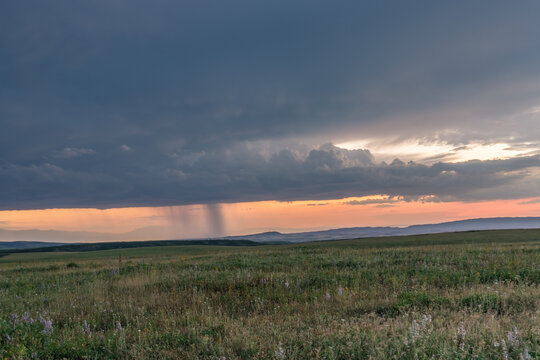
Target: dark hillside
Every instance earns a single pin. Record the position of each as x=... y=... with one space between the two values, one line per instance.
x=131 y=244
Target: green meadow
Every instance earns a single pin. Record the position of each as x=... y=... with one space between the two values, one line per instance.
x=470 y=295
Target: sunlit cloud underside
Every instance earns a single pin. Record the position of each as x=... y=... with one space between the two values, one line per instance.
x=429 y=152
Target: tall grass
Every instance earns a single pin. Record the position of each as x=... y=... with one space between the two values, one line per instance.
x=337 y=300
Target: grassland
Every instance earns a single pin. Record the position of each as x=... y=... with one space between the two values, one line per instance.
x=473 y=295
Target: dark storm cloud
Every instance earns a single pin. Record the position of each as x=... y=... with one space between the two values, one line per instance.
x=114 y=103
x=72 y=152
x=242 y=174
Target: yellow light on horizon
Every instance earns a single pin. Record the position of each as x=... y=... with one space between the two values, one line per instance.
x=428 y=152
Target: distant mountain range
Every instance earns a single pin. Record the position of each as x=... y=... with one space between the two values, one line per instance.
x=20 y=239
x=502 y=223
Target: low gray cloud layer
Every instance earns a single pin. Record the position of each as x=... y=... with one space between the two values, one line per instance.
x=114 y=103
x=245 y=174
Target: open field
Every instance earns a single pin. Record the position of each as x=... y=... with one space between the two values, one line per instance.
x=472 y=295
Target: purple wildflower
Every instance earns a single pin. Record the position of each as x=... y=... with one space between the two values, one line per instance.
x=25 y=318
x=14 y=318
x=47 y=326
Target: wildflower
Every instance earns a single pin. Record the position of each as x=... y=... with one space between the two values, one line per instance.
x=460 y=336
x=512 y=337
x=14 y=318
x=119 y=326
x=47 y=326
x=287 y=284
x=525 y=355
x=26 y=318
x=418 y=329
x=8 y=338
x=426 y=319
x=414 y=331
x=340 y=290
x=279 y=354
x=327 y=296
x=86 y=329
x=504 y=350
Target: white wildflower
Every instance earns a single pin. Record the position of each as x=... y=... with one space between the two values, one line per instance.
x=504 y=350
x=512 y=337
x=460 y=336
x=279 y=354
x=525 y=355
x=418 y=329
x=86 y=329
x=414 y=331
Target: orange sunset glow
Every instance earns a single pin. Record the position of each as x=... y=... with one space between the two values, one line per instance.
x=191 y=221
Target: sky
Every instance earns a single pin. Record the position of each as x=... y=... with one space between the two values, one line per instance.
x=207 y=118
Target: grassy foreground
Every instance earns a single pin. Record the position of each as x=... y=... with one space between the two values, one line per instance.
x=449 y=296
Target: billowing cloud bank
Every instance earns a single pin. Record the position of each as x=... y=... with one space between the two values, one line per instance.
x=247 y=174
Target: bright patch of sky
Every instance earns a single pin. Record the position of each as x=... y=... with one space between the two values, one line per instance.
x=424 y=151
